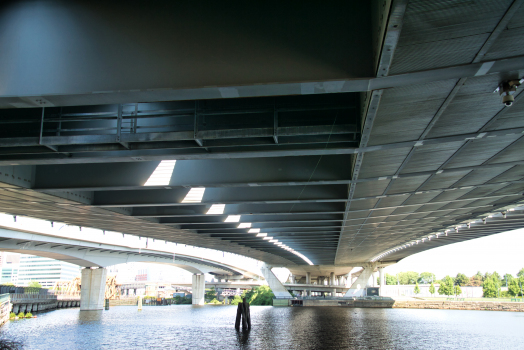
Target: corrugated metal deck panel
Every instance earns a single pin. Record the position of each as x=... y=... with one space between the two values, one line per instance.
x=430 y=157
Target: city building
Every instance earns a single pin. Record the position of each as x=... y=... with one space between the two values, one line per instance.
x=45 y=271
x=10 y=263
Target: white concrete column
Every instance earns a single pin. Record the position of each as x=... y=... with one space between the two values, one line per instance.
x=276 y=286
x=93 y=288
x=332 y=279
x=382 y=278
x=198 y=287
x=358 y=288
x=308 y=277
x=374 y=284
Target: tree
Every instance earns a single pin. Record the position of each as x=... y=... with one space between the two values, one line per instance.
x=457 y=291
x=237 y=299
x=390 y=279
x=432 y=289
x=417 y=289
x=409 y=277
x=507 y=279
x=490 y=288
x=426 y=277
x=513 y=287
x=446 y=287
x=34 y=284
x=210 y=294
x=461 y=279
x=521 y=273
x=475 y=280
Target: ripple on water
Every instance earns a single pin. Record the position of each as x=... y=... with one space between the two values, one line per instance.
x=212 y=327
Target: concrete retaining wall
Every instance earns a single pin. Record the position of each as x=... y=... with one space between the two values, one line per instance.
x=459 y=305
x=418 y=304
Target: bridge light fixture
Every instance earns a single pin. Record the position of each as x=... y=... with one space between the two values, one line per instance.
x=504 y=214
x=194 y=195
x=267 y=238
x=244 y=225
x=216 y=209
x=273 y=240
x=254 y=230
x=162 y=174
x=261 y=234
x=232 y=218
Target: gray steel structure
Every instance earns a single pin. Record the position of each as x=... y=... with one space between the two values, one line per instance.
x=344 y=131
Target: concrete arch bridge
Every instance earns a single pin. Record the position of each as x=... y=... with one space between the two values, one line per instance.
x=96 y=256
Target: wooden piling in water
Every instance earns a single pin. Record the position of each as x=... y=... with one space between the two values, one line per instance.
x=244 y=314
x=239 y=315
x=246 y=322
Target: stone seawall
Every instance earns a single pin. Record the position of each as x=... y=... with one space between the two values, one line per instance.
x=417 y=304
x=459 y=305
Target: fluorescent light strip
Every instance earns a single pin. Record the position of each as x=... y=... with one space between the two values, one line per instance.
x=254 y=230
x=244 y=225
x=216 y=209
x=162 y=174
x=261 y=234
x=267 y=238
x=232 y=218
x=194 y=195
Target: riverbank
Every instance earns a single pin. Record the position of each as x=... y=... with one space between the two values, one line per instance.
x=408 y=304
x=460 y=305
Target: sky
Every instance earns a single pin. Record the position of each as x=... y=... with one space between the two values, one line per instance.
x=502 y=252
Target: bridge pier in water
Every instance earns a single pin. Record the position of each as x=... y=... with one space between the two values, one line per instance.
x=199 y=288
x=92 y=293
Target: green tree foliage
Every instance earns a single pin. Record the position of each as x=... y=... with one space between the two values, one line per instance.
x=432 y=289
x=446 y=287
x=215 y=301
x=507 y=279
x=497 y=277
x=461 y=279
x=520 y=274
x=475 y=280
x=490 y=288
x=34 y=284
x=513 y=287
x=457 y=291
x=417 y=289
x=262 y=295
x=237 y=299
x=426 y=277
x=409 y=277
x=182 y=300
x=211 y=294
x=390 y=279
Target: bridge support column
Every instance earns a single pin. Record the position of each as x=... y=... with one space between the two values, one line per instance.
x=93 y=289
x=332 y=279
x=358 y=288
x=276 y=286
x=198 y=289
x=382 y=279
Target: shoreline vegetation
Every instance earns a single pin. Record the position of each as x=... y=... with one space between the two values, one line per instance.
x=491 y=283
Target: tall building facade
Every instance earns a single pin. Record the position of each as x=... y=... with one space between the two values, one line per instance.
x=45 y=271
x=10 y=263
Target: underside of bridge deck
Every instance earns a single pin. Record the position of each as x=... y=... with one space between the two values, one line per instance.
x=348 y=133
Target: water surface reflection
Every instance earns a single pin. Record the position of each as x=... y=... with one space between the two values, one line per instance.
x=212 y=327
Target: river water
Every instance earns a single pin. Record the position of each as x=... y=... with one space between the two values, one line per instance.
x=212 y=327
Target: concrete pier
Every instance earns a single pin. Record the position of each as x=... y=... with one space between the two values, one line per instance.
x=199 y=288
x=93 y=289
